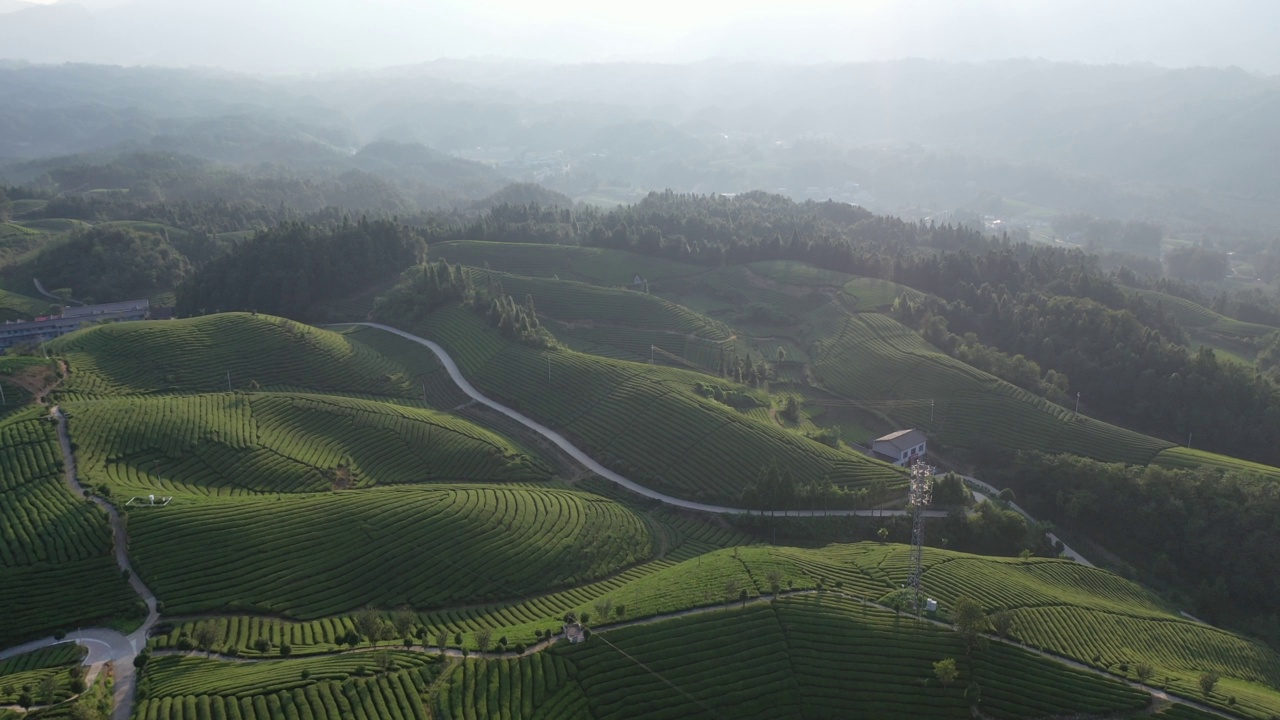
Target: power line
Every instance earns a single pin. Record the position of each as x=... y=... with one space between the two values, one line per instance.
x=622 y=652
x=659 y=675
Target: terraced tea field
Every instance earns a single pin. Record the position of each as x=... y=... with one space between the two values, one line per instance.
x=267 y=442
x=803 y=657
x=1089 y=615
x=1180 y=457
x=348 y=686
x=55 y=563
x=875 y=360
x=598 y=266
x=584 y=304
x=791 y=272
x=644 y=421
x=307 y=556
x=685 y=577
x=1194 y=316
x=196 y=355
x=871 y=294
x=31 y=669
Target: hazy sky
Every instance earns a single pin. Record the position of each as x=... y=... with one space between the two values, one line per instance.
x=302 y=35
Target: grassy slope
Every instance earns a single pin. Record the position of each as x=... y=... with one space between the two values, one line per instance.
x=56 y=567
x=265 y=442
x=314 y=555
x=195 y=355
x=641 y=419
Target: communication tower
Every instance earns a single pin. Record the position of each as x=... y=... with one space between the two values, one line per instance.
x=919 y=497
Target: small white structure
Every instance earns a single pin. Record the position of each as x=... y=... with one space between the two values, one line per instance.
x=931 y=605
x=148 y=501
x=574 y=632
x=901 y=447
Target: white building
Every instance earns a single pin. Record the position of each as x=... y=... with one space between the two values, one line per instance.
x=900 y=448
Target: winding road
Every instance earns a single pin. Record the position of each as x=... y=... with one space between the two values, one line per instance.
x=452 y=368
x=106 y=645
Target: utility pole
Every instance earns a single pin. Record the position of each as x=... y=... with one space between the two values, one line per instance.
x=930 y=412
x=1077 y=403
x=424 y=393
x=2 y=400
x=229 y=381
x=1189 y=439
x=548 y=367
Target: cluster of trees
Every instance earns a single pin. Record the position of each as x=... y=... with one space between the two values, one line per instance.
x=1207 y=534
x=105 y=264
x=423 y=288
x=291 y=268
x=1128 y=371
x=776 y=488
x=517 y=321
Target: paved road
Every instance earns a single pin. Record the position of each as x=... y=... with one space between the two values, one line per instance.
x=601 y=470
x=984 y=491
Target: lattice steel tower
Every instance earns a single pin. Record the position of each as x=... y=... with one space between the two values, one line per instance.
x=919 y=497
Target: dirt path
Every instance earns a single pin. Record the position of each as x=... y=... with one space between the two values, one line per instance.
x=112 y=646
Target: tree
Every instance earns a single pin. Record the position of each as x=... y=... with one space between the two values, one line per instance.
x=385 y=632
x=1145 y=672
x=402 y=619
x=1002 y=623
x=48 y=689
x=742 y=595
x=286 y=650
x=731 y=588
x=25 y=700
x=205 y=634
x=603 y=607
x=442 y=636
x=883 y=534
x=774 y=578
x=483 y=636
x=620 y=610
x=946 y=671
x=1209 y=681
x=366 y=623
x=970 y=621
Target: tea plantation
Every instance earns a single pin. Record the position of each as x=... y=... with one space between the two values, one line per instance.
x=318 y=554
x=196 y=355
x=801 y=657
x=56 y=567
x=874 y=359
x=363 y=686
x=598 y=266
x=33 y=668
x=643 y=420
x=278 y=442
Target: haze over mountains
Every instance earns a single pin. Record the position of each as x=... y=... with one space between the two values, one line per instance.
x=297 y=36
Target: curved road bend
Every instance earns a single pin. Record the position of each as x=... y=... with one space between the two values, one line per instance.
x=596 y=467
